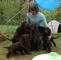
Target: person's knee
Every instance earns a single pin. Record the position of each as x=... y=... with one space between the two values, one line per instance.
x=41 y=37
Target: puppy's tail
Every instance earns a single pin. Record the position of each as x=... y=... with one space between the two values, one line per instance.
x=55 y=37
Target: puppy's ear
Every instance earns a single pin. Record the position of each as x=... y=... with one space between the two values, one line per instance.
x=22 y=25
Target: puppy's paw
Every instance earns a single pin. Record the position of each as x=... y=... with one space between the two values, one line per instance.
x=8 y=56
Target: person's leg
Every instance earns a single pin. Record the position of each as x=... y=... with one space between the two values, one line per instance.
x=41 y=38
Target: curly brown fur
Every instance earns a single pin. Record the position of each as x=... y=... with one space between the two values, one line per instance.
x=27 y=28
x=34 y=38
x=47 y=30
x=19 y=32
x=22 y=45
x=46 y=41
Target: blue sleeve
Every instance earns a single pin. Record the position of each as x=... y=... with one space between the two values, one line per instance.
x=28 y=20
x=44 y=21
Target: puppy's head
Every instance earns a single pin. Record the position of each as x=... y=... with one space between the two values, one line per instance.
x=27 y=28
x=47 y=31
x=23 y=24
x=21 y=27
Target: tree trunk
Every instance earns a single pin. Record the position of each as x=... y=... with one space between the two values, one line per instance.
x=2 y=15
x=7 y=19
x=30 y=0
x=21 y=3
x=8 y=1
x=1 y=0
x=15 y=1
x=20 y=12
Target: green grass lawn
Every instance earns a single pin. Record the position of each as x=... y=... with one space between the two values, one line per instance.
x=12 y=30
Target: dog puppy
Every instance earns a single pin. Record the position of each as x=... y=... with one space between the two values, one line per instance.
x=35 y=38
x=45 y=32
x=27 y=28
x=19 y=32
x=46 y=41
x=22 y=45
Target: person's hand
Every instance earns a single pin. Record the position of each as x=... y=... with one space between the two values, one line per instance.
x=49 y=37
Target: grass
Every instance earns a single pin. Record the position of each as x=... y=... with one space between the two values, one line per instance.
x=12 y=30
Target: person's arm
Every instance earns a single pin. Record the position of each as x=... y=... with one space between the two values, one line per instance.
x=44 y=21
x=28 y=20
x=45 y=24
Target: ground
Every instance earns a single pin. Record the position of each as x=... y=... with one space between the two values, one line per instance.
x=4 y=51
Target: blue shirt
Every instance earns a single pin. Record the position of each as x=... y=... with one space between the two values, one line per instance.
x=37 y=19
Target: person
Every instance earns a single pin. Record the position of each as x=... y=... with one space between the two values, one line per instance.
x=35 y=17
